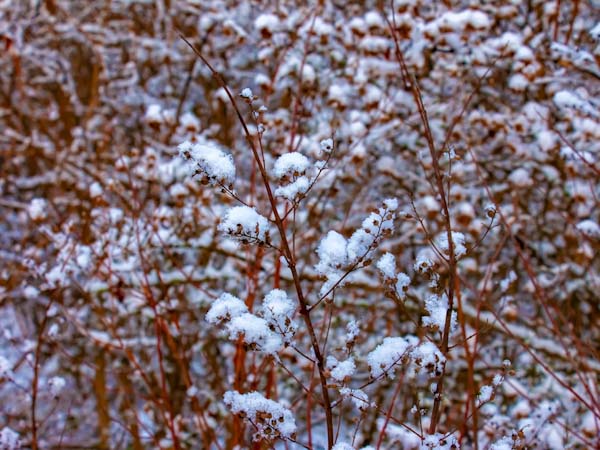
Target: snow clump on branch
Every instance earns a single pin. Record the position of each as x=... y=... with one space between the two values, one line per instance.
x=269 y=333
x=290 y=169
x=225 y=308
x=244 y=224
x=210 y=162
x=395 y=350
x=271 y=419
x=9 y=440
x=338 y=256
x=278 y=310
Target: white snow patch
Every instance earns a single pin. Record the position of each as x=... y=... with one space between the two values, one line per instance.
x=226 y=307
x=37 y=208
x=214 y=164
x=245 y=224
x=589 y=228
x=269 y=417
x=341 y=370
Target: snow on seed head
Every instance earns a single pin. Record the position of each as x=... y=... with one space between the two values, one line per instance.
x=213 y=165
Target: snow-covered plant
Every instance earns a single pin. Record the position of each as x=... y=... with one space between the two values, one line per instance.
x=9 y=440
x=246 y=225
x=196 y=248
x=270 y=418
x=213 y=165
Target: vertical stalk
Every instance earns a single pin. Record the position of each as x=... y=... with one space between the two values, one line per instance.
x=286 y=250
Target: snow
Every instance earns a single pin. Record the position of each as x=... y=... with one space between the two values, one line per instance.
x=320 y=27
x=267 y=22
x=374 y=44
x=31 y=292
x=247 y=94
x=341 y=370
x=96 y=190
x=427 y=356
x=374 y=20
x=400 y=435
x=388 y=354
x=590 y=424
x=505 y=443
x=387 y=266
x=332 y=252
x=595 y=32
x=571 y=100
x=390 y=204
x=553 y=437
x=378 y=223
x=216 y=166
x=437 y=306
x=569 y=154
x=256 y=332
x=439 y=441
x=245 y=224
x=154 y=114
x=56 y=385
x=342 y=446
x=458 y=239
x=178 y=190
x=520 y=178
x=352 y=331
x=5 y=368
x=192 y=391
x=359 y=398
x=430 y=204
x=338 y=93
x=497 y=380
x=402 y=283
x=335 y=90
x=9 y=439
x=270 y=418
x=278 y=310
x=295 y=189
x=485 y=394
x=518 y=82
x=309 y=76
x=589 y=228
x=506 y=282
x=424 y=260
x=291 y=165
x=326 y=145
x=37 y=208
x=490 y=210
x=263 y=334
x=358 y=25
x=262 y=80
x=458 y=21
x=225 y=308
x=190 y=122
